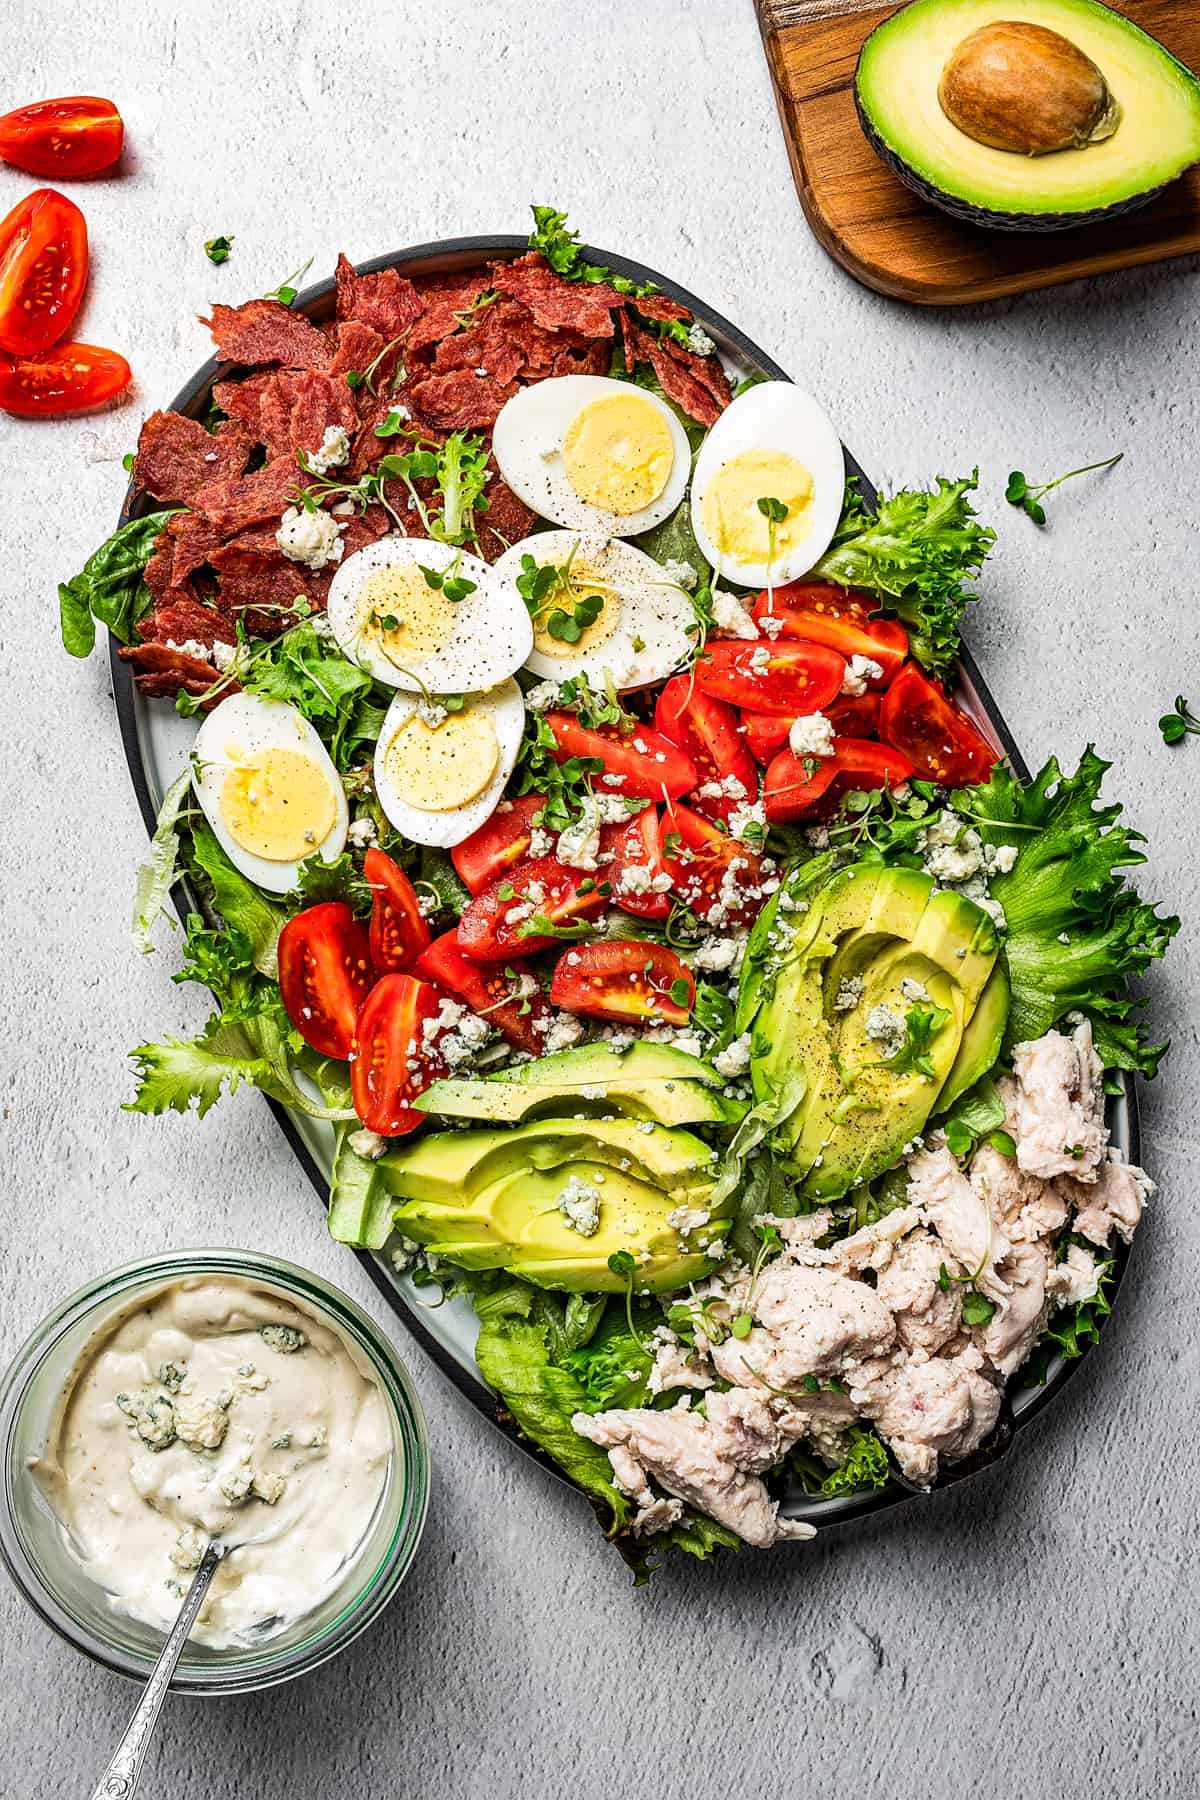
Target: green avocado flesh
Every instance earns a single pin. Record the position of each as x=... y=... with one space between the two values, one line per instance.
x=647 y=1081
x=491 y=1199
x=1156 y=139
x=867 y=932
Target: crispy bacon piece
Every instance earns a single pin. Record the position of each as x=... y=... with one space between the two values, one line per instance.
x=506 y=521
x=385 y=301
x=661 y=307
x=355 y=348
x=181 y=619
x=176 y=457
x=696 y=383
x=263 y=588
x=460 y=399
x=296 y=409
x=229 y=506
x=445 y=301
x=266 y=331
x=586 y=307
x=193 y=540
x=160 y=670
x=493 y=345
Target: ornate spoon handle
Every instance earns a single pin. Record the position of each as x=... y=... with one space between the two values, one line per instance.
x=120 y=1778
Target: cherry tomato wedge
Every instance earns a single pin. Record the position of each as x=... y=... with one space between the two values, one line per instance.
x=625 y=981
x=821 y=614
x=798 y=787
x=714 y=874
x=647 y=763
x=43 y=271
x=68 y=379
x=398 y=930
x=771 y=678
x=509 y=998
x=79 y=135
x=851 y=715
x=392 y=1062
x=707 y=730
x=500 y=843
x=324 y=975
x=917 y=718
x=640 y=883
x=490 y=927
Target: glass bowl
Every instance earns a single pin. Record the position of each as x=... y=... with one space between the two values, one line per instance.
x=33 y=1542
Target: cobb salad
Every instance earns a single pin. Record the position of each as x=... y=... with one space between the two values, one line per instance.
x=588 y=828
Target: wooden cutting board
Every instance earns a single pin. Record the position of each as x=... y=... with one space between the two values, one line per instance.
x=886 y=236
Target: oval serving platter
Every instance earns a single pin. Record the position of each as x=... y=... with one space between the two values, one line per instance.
x=157 y=742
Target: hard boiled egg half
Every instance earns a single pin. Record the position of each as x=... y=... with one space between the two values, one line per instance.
x=773 y=444
x=439 y=774
x=268 y=789
x=404 y=625
x=609 y=611
x=593 y=453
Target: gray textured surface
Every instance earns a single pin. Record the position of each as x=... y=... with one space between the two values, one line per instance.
x=1032 y=1633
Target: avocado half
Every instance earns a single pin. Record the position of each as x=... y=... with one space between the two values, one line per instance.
x=1156 y=138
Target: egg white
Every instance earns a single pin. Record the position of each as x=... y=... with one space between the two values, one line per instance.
x=774 y=415
x=251 y=725
x=445 y=829
x=527 y=441
x=492 y=634
x=653 y=609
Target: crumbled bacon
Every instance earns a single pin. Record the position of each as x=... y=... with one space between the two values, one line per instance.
x=461 y=400
x=506 y=521
x=194 y=541
x=266 y=331
x=183 y=620
x=586 y=307
x=696 y=383
x=160 y=670
x=447 y=301
x=296 y=409
x=661 y=308
x=176 y=457
x=385 y=301
x=229 y=506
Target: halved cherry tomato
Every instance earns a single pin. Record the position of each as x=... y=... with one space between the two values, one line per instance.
x=828 y=615
x=504 y=997
x=500 y=843
x=43 y=271
x=398 y=930
x=625 y=981
x=796 y=789
x=490 y=927
x=715 y=874
x=648 y=764
x=707 y=730
x=392 y=1063
x=917 y=718
x=851 y=715
x=79 y=135
x=324 y=975
x=68 y=379
x=771 y=678
x=637 y=845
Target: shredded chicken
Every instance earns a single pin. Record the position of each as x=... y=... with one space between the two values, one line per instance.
x=1021 y=1310
x=1115 y=1201
x=1024 y=1207
x=1060 y=1105
x=1075 y=1279
x=674 y=1365
x=808 y=1321
x=962 y=1218
x=926 y=1314
x=929 y=1410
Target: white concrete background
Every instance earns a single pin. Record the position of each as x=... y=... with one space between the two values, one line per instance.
x=1031 y=1634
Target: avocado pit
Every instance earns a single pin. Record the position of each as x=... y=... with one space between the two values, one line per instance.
x=1026 y=89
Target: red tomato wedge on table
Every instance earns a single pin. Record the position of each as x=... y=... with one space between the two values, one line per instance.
x=500 y=843
x=640 y=883
x=798 y=787
x=392 y=1063
x=647 y=764
x=919 y=720
x=771 y=678
x=707 y=731
x=70 y=378
x=508 y=997
x=842 y=620
x=398 y=929
x=625 y=981
x=851 y=715
x=78 y=135
x=43 y=271
x=490 y=927
x=324 y=975
x=718 y=877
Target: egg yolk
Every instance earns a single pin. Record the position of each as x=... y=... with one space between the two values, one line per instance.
x=732 y=516
x=618 y=453
x=280 y=806
x=558 y=614
x=403 y=616
x=439 y=768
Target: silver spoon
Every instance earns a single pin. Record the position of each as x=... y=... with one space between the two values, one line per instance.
x=121 y=1776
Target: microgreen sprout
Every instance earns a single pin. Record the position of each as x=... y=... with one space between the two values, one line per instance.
x=1181 y=723
x=217 y=249
x=287 y=290
x=622 y=1263
x=1020 y=493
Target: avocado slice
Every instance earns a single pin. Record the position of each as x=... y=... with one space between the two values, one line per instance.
x=941 y=84
x=647 y=1081
x=594 y=1064
x=981 y=1039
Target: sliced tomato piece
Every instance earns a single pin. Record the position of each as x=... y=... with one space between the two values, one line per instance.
x=851 y=715
x=917 y=718
x=714 y=874
x=392 y=1061
x=625 y=981
x=636 y=865
x=771 y=678
x=500 y=843
x=490 y=929
x=79 y=135
x=68 y=379
x=798 y=787
x=399 y=932
x=648 y=765
x=707 y=731
x=821 y=614
x=43 y=271
x=508 y=997
x=324 y=975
